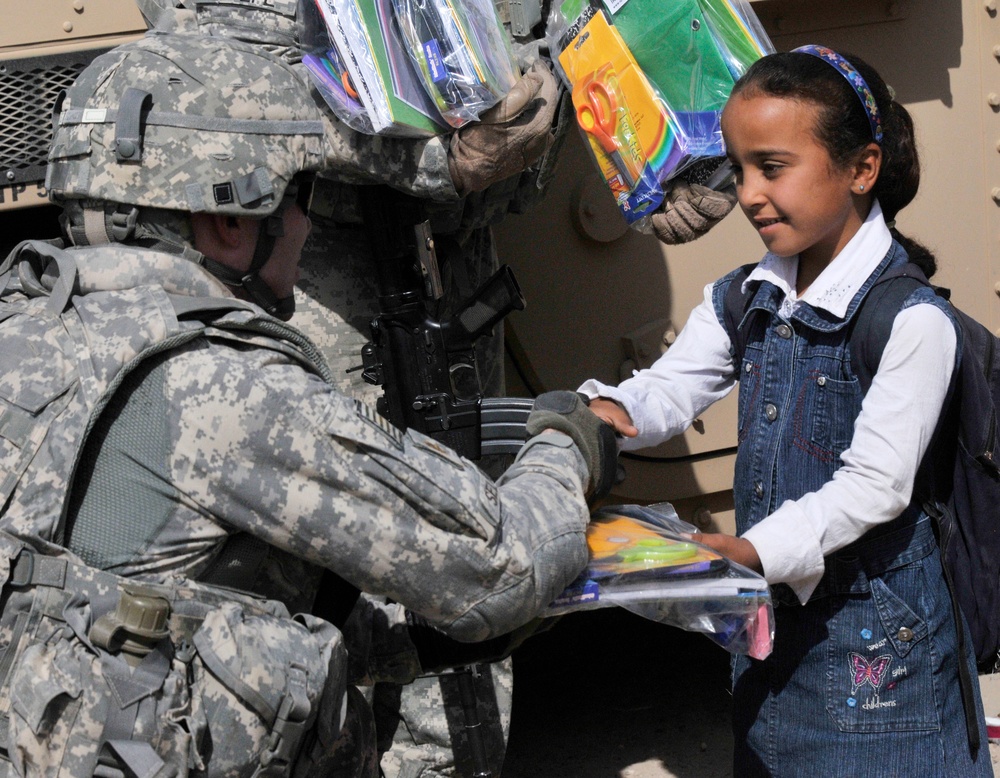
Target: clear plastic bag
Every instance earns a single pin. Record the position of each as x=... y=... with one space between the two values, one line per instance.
x=334 y=67
x=643 y=560
x=693 y=51
x=738 y=33
x=461 y=53
x=674 y=65
x=630 y=130
x=359 y=63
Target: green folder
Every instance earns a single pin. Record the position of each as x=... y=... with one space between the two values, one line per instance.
x=692 y=51
x=673 y=44
x=743 y=39
x=409 y=107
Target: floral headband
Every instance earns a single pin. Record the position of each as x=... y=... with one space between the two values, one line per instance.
x=855 y=79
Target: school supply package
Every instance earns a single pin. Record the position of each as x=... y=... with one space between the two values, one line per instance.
x=461 y=53
x=693 y=51
x=642 y=559
x=359 y=64
x=649 y=80
x=407 y=67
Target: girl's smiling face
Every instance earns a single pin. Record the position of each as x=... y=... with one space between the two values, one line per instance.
x=797 y=198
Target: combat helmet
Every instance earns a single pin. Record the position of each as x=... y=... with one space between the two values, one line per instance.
x=182 y=124
x=276 y=25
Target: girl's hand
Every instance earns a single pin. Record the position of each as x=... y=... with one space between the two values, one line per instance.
x=613 y=414
x=737 y=549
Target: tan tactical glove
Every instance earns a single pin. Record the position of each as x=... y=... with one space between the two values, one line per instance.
x=509 y=136
x=691 y=210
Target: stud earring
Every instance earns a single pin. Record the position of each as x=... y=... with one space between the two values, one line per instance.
x=861 y=187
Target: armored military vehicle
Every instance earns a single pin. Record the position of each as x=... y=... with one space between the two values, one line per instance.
x=44 y=44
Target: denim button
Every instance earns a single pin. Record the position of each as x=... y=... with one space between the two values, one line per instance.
x=905 y=634
x=821 y=380
x=758 y=489
x=771 y=411
x=784 y=331
x=748 y=367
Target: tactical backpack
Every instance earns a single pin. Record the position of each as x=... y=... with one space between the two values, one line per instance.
x=103 y=675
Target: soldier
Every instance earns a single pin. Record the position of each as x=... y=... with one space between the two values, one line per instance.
x=167 y=444
x=467 y=181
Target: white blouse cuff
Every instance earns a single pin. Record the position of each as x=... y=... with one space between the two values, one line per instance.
x=789 y=550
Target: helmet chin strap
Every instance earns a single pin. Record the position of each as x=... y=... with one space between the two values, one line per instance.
x=249 y=280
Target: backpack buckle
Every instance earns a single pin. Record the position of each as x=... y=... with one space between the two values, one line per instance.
x=22 y=571
x=282 y=746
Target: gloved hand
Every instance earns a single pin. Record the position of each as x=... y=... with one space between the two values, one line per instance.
x=509 y=136
x=567 y=412
x=691 y=210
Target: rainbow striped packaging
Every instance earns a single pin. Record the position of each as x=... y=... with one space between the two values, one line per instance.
x=632 y=132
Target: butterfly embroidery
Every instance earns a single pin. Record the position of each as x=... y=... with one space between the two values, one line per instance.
x=872 y=672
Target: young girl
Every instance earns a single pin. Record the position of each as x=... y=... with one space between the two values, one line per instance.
x=864 y=676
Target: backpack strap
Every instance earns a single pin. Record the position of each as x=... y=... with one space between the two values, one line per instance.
x=873 y=321
x=869 y=334
x=44 y=268
x=734 y=308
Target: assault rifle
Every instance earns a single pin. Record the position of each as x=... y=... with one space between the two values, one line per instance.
x=427 y=367
x=430 y=378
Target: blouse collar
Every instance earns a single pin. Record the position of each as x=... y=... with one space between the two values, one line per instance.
x=840 y=281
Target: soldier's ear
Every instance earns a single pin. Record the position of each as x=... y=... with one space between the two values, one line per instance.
x=232 y=231
x=223 y=237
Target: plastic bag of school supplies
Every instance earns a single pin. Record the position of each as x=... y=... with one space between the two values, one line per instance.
x=359 y=65
x=649 y=81
x=630 y=130
x=332 y=65
x=642 y=559
x=693 y=51
x=461 y=53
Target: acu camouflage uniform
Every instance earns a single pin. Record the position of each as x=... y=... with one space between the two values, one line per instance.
x=249 y=440
x=420 y=723
x=336 y=299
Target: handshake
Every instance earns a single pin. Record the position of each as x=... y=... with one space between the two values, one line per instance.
x=596 y=437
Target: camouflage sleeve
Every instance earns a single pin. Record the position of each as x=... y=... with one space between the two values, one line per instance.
x=264 y=447
x=413 y=165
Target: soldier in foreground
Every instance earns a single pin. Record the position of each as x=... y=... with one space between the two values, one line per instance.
x=465 y=181
x=166 y=435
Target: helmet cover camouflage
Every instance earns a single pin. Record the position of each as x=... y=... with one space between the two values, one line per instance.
x=187 y=123
x=266 y=22
x=273 y=24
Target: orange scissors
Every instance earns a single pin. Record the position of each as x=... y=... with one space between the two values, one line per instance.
x=598 y=116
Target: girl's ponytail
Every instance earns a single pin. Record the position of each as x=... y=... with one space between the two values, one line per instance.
x=899 y=178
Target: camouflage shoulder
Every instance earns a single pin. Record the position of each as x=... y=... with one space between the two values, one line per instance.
x=418 y=166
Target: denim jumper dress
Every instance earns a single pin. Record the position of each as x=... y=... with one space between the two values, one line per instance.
x=863 y=679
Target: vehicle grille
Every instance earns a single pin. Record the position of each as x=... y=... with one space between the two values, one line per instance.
x=28 y=92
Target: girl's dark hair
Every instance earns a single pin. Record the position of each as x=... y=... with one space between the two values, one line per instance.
x=843 y=126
